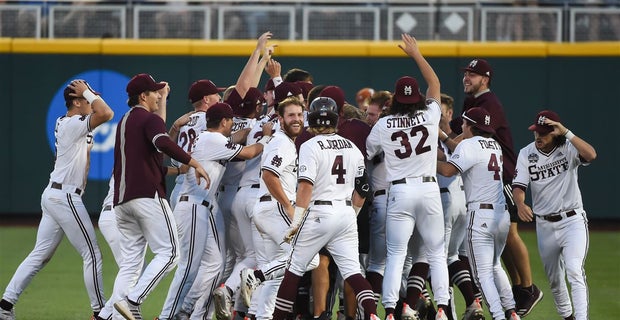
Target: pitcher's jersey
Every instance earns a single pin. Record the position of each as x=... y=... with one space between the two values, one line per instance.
x=479 y=160
x=552 y=176
x=235 y=167
x=409 y=142
x=187 y=134
x=213 y=150
x=331 y=163
x=251 y=173
x=280 y=157
x=73 y=136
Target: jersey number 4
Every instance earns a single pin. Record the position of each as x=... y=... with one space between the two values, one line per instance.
x=338 y=169
x=495 y=166
x=404 y=141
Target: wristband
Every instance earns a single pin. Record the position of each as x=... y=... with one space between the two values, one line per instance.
x=357 y=210
x=264 y=140
x=569 y=135
x=178 y=171
x=446 y=138
x=299 y=215
x=90 y=96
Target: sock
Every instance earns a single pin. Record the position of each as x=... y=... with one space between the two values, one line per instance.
x=6 y=305
x=376 y=281
x=459 y=275
x=416 y=283
x=363 y=294
x=286 y=296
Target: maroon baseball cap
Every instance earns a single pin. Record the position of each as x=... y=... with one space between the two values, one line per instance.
x=407 y=90
x=269 y=85
x=336 y=94
x=142 y=82
x=479 y=118
x=247 y=105
x=539 y=123
x=305 y=87
x=68 y=91
x=202 y=88
x=219 y=111
x=286 y=89
x=480 y=66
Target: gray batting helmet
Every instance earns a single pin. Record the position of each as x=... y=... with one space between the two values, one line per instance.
x=323 y=113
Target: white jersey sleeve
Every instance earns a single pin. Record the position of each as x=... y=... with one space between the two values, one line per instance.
x=479 y=160
x=280 y=158
x=187 y=135
x=251 y=173
x=552 y=176
x=73 y=136
x=235 y=168
x=331 y=163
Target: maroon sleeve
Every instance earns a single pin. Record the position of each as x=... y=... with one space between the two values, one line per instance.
x=167 y=146
x=302 y=137
x=355 y=130
x=155 y=130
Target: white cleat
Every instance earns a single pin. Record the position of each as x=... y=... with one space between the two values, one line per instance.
x=249 y=283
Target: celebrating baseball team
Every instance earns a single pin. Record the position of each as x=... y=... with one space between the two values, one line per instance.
x=290 y=200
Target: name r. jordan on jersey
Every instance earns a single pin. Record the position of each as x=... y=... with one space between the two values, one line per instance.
x=335 y=144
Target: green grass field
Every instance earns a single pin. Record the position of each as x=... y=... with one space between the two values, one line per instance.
x=57 y=292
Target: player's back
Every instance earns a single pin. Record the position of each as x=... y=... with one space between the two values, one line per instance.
x=480 y=161
x=336 y=156
x=71 y=142
x=235 y=168
x=409 y=142
x=213 y=151
x=187 y=134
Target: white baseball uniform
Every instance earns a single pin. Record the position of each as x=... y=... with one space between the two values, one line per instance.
x=479 y=160
x=410 y=146
x=197 y=217
x=379 y=184
x=64 y=213
x=185 y=139
x=107 y=224
x=561 y=224
x=228 y=189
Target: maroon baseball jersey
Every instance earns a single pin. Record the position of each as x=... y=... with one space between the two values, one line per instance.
x=139 y=171
x=491 y=103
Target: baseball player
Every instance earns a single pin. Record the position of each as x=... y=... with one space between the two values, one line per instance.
x=202 y=94
x=549 y=165
x=330 y=167
x=477 y=78
x=273 y=210
x=107 y=224
x=142 y=212
x=478 y=157
x=455 y=222
x=64 y=212
x=408 y=137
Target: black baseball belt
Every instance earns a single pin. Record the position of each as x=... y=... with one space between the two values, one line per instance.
x=424 y=179
x=555 y=217
x=56 y=185
x=329 y=203
x=204 y=202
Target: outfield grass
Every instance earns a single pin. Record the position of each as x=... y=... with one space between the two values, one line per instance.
x=57 y=292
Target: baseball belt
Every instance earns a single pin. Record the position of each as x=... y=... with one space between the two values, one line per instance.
x=264 y=199
x=424 y=179
x=557 y=216
x=204 y=202
x=56 y=185
x=107 y=208
x=444 y=190
x=254 y=186
x=490 y=206
x=328 y=203
x=379 y=193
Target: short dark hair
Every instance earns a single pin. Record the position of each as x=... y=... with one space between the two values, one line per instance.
x=296 y=74
x=133 y=100
x=215 y=123
x=287 y=102
x=477 y=132
x=315 y=92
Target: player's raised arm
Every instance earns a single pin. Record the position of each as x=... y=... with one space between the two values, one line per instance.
x=101 y=110
x=410 y=47
x=586 y=151
x=250 y=75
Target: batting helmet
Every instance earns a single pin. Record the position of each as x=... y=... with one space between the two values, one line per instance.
x=323 y=112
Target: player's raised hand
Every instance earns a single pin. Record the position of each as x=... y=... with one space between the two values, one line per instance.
x=262 y=41
x=165 y=90
x=268 y=128
x=558 y=128
x=525 y=213
x=273 y=68
x=78 y=86
x=410 y=46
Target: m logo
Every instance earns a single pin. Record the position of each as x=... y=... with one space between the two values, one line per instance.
x=408 y=91
x=276 y=161
x=487 y=120
x=473 y=63
x=541 y=120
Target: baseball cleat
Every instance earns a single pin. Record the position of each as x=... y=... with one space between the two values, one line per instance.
x=223 y=303
x=474 y=311
x=514 y=316
x=409 y=314
x=528 y=301
x=249 y=283
x=441 y=315
x=182 y=315
x=128 y=310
